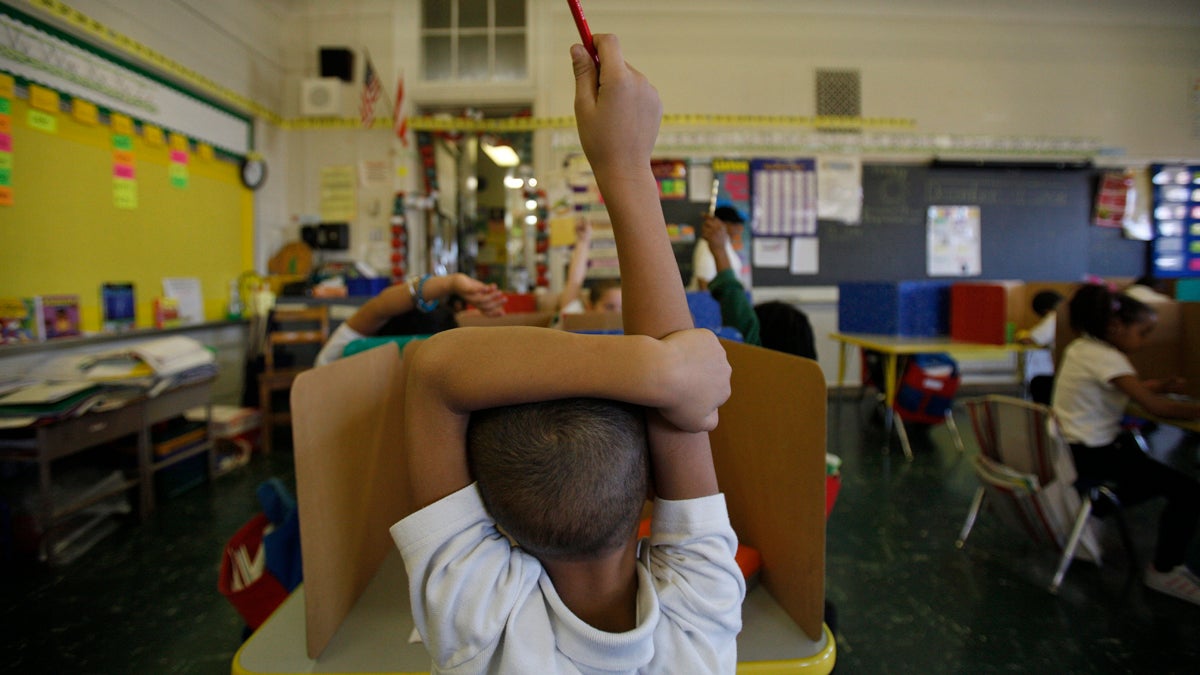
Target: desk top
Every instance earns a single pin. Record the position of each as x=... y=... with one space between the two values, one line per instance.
x=1138 y=411
x=898 y=344
x=374 y=636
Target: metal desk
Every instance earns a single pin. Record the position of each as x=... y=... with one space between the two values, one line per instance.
x=893 y=347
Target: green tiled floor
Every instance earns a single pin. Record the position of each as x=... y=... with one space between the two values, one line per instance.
x=144 y=600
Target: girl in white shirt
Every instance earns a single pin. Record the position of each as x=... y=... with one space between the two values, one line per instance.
x=1095 y=383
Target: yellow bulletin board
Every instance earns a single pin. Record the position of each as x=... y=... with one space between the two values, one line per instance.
x=67 y=231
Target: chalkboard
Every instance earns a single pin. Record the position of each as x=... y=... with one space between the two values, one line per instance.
x=1035 y=225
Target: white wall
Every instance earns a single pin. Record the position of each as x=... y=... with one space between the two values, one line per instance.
x=1119 y=71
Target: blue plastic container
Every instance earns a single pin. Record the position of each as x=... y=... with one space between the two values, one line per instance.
x=367 y=287
x=904 y=308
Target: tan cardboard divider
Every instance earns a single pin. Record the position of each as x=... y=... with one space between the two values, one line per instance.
x=1190 y=323
x=1165 y=353
x=540 y=319
x=769 y=451
x=351 y=480
x=592 y=321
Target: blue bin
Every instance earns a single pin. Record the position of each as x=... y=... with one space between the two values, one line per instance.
x=367 y=287
x=904 y=308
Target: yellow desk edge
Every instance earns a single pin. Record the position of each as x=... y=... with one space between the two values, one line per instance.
x=820 y=663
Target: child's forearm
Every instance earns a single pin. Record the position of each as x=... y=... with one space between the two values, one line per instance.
x=475 y=368
x=653 y=300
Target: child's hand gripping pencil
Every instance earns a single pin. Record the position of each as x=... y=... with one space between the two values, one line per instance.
x=585 y=33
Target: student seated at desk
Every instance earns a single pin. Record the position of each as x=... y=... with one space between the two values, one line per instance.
x=566 y=477
x=1094 y=385
x=1039 y=364
x=421 y=306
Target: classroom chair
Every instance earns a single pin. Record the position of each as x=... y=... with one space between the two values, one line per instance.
x=286 y=329
x=1029 y=478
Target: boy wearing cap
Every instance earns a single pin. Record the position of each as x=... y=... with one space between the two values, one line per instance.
x=704 y=265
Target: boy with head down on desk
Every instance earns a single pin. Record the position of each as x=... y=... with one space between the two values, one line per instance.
x=532 y=451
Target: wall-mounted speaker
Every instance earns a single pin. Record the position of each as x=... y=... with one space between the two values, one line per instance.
x=337 y=62
x=321 y=97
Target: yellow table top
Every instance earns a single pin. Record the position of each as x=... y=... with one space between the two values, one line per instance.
x=898 y=344
x=374 y=636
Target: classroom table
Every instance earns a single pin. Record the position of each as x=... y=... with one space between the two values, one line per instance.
x=893 y=347
x=374 y=638
x=1136 y=410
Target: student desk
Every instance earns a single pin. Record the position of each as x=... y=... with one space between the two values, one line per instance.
x=352 y=611
x=374 y=637
x=1138 y=411
x=893 y=347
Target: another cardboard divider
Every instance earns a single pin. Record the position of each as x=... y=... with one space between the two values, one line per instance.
x=1166 y=352
x=592 y=321
x=769 y=451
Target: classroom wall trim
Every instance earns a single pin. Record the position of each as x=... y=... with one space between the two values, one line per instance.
x=123 y=44
x=34 y=52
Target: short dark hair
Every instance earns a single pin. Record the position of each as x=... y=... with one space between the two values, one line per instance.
x=729 y=214
x=601 y=286
x=1093 y=306
x=565 y=478
x=1046 y=301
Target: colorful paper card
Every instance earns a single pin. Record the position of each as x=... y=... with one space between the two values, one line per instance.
x=5 y=107
x=6 y=177
x=43 y=99
x=125 y=194
x=178 y=142
x=153 y=136
x=85 y=112
x=121 y=124
x=124 y=157
x=5 y=142
x=205 y=151
x=42 y=121
x=6 y=160
x=6 y=197
x=122 y=142
x=5 y=124
x=7 y=86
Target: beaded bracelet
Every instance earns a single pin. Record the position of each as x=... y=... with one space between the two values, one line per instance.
x=423 y=305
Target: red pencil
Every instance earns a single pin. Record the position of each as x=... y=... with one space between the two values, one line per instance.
x=585 y=33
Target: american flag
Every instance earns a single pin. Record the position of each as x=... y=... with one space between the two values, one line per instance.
x=399 y=119
x=372 y=90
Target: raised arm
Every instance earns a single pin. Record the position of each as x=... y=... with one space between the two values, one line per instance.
x=577 y=269
x=618 y=113
x=456 y=372
x=400 y=299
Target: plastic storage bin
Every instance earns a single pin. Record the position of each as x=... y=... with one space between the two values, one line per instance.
x=361 y=286
x=987 y=312
x=907 y=308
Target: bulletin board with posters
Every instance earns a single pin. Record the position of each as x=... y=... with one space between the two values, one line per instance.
x=1176 y=219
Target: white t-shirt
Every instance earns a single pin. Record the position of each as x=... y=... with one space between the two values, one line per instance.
x=336 y=344
x=704 y=266
x=1041 y=361
x=482 y=605
x=1089 y=407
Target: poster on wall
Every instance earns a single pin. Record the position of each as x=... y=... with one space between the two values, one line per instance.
x=733 y=189
x=839 y=189
x=1176 y=219
x=671 y=176
x=784 y=197
x=953 y=241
